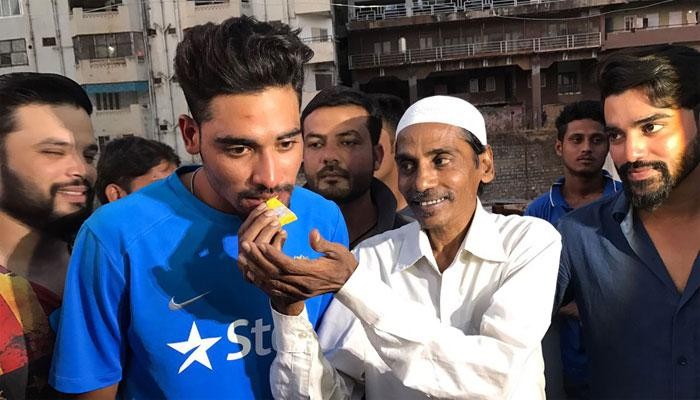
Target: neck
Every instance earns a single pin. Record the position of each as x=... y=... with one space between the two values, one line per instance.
x=446 y=241
x=581 y=185
x=360 y=216
x=32 y=254
x=683 y=202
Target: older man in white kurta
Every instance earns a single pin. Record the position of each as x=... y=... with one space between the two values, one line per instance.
x=452 y=306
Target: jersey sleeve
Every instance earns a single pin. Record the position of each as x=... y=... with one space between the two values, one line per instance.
x=90 y=342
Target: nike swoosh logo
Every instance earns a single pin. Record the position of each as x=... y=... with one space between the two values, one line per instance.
x=173 y=306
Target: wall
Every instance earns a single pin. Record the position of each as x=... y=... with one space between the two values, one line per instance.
x=526 y=166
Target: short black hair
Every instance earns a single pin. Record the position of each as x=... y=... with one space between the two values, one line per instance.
x=479 y=148
x=668 y=75
x=127 y=158
x=337 y=96
x=240 y=55
x=391 y=109
x=19 y=89
x=586 y=109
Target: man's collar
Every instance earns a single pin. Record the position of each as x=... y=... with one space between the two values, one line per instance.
x=483 y=240
x=557 y=199
x=621 y=208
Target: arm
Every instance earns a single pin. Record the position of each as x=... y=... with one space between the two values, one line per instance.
x=89 y=344
x=302 y=371
x=443 y=361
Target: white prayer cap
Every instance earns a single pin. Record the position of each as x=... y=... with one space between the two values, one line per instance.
x=446 y=110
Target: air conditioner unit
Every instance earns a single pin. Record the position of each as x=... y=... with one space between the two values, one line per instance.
x=157 y=80
x=151 y=32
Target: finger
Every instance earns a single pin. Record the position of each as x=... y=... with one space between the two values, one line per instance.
x=279 y=240
x=284 y=263
x=257 y=225
x=260 y=265
x=323 y=246
x=268 y=232
x=252 y=216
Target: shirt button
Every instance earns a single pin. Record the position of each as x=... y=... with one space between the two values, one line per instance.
x=682 y=361
x=303 y=335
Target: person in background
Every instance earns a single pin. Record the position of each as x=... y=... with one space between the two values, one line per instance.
x=47 y=173
x=341 y=153
x=582 y=146
x=129 y=163
x=390 y=108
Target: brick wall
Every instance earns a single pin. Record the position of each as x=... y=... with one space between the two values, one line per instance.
x=526 y=165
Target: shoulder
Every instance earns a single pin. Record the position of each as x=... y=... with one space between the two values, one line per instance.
x=590 y=217
x=135 y=214
x=311 y=206
x=524 y=231
x=540 y=206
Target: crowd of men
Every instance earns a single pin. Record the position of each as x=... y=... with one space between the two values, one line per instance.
x=393 y=282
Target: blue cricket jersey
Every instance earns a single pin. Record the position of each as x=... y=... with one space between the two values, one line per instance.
x=154 y=299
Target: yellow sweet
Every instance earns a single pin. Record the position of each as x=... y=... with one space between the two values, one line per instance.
x=284 y=214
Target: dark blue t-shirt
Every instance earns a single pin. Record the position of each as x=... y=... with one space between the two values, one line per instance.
x=154 y=298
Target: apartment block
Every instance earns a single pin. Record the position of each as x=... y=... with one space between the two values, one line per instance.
x=518 y=60
x=122 y=52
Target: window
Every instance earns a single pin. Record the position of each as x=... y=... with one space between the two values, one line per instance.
x=319 y=34
x=92 y=6
x=474 y=85
x=567 y=82
x=675 y=18
x=382 y=47
x=323 y=80
x=692 y=17
x=13 y=52
x=111 y=45
x=490 y=84
x=543 y=80
x=652 y=20
x=10 y=8
x=426 y=42
x=107 y=101
x=48 y=41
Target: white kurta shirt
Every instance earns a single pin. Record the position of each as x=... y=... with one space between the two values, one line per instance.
x=400 y=329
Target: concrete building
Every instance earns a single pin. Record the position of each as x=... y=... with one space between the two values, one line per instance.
x=519 y=60
x=122 y=52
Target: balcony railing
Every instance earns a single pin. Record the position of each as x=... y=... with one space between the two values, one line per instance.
x=318 y=39
x=433 y=7
x=474 y=50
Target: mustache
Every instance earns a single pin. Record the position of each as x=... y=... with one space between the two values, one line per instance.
x=332 y=171
x=75 y=182
x=266 y=193
x=430 y=194
x=657 y=165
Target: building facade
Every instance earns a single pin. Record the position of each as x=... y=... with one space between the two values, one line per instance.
x=518 y=60
x=122 y=51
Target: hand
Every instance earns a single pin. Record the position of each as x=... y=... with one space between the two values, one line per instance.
x=262 y=226
x=289 y=281
x=570 y=310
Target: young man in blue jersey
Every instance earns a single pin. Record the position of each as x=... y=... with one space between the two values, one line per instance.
x=582 y=146
x=154 y=304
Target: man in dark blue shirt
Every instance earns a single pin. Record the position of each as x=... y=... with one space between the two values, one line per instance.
x=582 y=146
x=632 y=261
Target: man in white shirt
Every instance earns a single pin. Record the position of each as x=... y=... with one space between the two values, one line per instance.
x=452 y=306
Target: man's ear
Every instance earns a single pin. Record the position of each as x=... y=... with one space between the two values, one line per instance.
x=557 y=147
x=378 y=154
x=114 y=192
x=488 y=172
x=190 y=133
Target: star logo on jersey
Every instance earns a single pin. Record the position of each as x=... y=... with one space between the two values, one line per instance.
x=200 y=346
